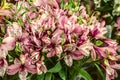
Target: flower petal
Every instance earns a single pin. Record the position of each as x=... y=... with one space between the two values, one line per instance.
x=9 y=42
x=30 y=68
x=58 y=50
x=68 y=60
x=13 y=69
x=51 y=53
x=77 y=55
x=3 y=66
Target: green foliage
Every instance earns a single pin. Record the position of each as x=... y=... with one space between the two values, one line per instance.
x=48 y=76
x=109 y=31
x=56 y=68
x=84 y=74
x=18 y=48
x=62 y=75
x=40 y=77
x=100 y=71
x=1 y=40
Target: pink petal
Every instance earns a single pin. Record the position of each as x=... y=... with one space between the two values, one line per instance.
x=59 y=50
x=37 y=42
x=9 y=42
x=110 y=42
x=38 y=2
x=118 y=21
x=16 y=61
x=93 y=54
x=53 y=3
x=3 y=67
x=51 y=53
x=77 y=29
x=76 y=55
x=30 y=68
x=68 y=60
x=46 y=40
x=57 y=32
x=102 y=24
x=115 y=66
x=3 y=51
x=13 y=69
x=14 y=30
x=5 y=12
x=100 y=51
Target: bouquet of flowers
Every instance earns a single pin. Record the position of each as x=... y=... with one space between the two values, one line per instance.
x=55 y=40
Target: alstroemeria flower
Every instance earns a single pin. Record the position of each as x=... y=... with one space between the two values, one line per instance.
x=69 y=27
x=86 y=47
x=110 y=73
x=111 y=67
x=53 y=46
x=107 y=52
x=21 y=66
x=70 y=49
x=15 y=30
x=100 y=51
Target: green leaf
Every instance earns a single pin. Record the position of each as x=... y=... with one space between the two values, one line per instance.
x=100 y=71
x=105 y=8
x=48 y=76
x=62 y=4
x=40 y=77
x=62 y=75
x=106 y=1
x=10 y=58
x=18 y=48
x=109 y=29
x=56 y=68
x=84 y=74
x=1 y=40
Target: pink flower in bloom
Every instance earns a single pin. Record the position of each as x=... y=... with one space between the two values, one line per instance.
x=53 y=46
x=14 y=30
x=21 y=66
x=111 y=67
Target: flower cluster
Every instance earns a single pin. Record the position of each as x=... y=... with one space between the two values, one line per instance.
x=44 y=30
